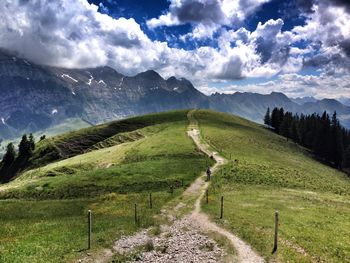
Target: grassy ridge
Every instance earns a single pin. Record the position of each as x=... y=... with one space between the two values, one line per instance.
x=68 y=125
x=143 y=165
x=77 y=142
x=108 y=180
x=273 y=174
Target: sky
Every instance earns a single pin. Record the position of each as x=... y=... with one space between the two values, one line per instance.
x=298 y=47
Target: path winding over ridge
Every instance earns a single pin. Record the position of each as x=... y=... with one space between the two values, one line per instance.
x=184 y=239
x=244 y=252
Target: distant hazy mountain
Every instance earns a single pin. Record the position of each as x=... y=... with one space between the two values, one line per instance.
x=345 y=101
x=251 y=105
x=303 y=100
x=35 y=98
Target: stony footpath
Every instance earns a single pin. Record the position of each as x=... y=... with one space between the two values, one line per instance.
x=180 y=242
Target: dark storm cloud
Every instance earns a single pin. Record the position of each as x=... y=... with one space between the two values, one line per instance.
x=306 y=5
x=270 y=48
x=206 y=16
x=265 y=47
x=342 y=3
x=345 y=45
x=330 y=63
x=281 y=55
x=196 y=11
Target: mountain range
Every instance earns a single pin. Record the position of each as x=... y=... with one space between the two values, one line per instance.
x=36 y=97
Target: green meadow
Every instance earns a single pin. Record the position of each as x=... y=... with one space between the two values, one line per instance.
x=111 y=167
x=313 y=200
x=43 y=211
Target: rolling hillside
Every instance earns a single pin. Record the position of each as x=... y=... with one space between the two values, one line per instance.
x=109 y=168
x=108 y=180
x=273 y=174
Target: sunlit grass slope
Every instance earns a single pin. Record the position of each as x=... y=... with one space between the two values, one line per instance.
x=77 y=142
x=313 y=200
x=43 y=214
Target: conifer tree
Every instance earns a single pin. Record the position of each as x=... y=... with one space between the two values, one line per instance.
x=346 y=158
x=286 y=125
x=31 y=142
x=294 y=135
x=275 y=119
x=336 y=142
x=9 y=156
x=321 y=134
x=24 y=148
x=267 y=118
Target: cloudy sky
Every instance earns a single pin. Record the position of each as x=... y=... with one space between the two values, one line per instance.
x=299 y=47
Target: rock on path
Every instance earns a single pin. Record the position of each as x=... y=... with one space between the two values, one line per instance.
x=180 y=242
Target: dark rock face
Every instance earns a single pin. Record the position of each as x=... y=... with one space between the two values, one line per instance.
x=35 y=97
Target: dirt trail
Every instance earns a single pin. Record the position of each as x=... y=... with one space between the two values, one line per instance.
x=244 y=251
x=183 y=240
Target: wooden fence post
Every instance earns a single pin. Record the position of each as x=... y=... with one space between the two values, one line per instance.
x=89 y=229
x=135 y=214
x=222 y=208
x=207 y=195
x=150 y=201
x=275 y=243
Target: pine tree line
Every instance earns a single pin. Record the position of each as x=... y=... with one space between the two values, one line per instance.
x=323 y=135
x=12 y=161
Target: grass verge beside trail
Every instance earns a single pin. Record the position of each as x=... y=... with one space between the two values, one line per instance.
x=56 y=230
x=273 y=174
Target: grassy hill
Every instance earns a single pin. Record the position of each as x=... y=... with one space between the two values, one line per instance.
x=273 y=174
x=43 y=211
x=109 y=168
x=77 y=142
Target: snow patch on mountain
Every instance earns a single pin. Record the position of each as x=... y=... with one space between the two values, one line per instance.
x=25 y=61
x=90 y=79
x=67 y=76
x=121 y=81
x=102 y=82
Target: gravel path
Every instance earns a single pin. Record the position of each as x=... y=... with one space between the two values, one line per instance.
x=183 y=240
x=244 y=252
x=180 y=242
